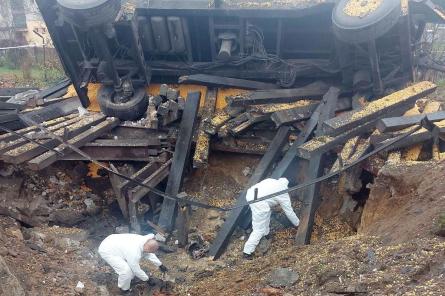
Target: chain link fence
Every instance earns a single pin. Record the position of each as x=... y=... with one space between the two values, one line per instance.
x=29 y=66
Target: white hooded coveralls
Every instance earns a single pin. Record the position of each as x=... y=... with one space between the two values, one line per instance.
x=123 y=253
x=261 y=211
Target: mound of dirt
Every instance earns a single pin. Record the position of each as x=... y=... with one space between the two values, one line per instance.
x=405 y=201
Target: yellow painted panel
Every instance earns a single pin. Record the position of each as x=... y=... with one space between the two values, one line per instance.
x=153 y=89
x=92 y=94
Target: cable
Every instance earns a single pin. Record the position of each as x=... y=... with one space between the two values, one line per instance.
x=29 y=139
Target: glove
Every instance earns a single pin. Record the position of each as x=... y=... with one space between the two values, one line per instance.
x=163 y=269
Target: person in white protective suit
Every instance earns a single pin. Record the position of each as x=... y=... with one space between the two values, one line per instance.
x=262 y=210
x=123 y=253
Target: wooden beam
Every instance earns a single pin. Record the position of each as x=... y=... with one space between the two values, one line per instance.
x=201 y=156
x=220 y=81
x=44 y=160
x=153 y=180
x=413 y=152
x=375 y=67
x=328 y=110
x=397 y=123
x=140 y=175
x=30 y=150
x=270 y=157
x=311 y=195
x=310 y=201
x=393 y=104
x=34 y=133
x=11 y=137
x=314 y=91
x=180 y=157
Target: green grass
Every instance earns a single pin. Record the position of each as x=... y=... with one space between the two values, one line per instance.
x=37 y=79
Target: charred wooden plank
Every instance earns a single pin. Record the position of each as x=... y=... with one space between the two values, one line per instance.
x=311 y=195
x=273 y=108
x=180 y=156
x=349 y=181
x=154 y=143
x=311 y=91
x=346 y=152
x=292 y=115
x=273 y=152
x=10 y=106
x=49 y=157
x=118 y=154
x=290 y=156
x=141 y=174
x=253 y=119
x=324 y=144
x=225 y=129
x=201 y=156
x=328 y=111
x=220 y=81
x=138 y=192
x=420 y=136
x=59 y=127
x=395 y=103
x=397 y=123
x=31 y=150
x=11 y=137
x=216 y=122
x=229 y=144
x=310 y=201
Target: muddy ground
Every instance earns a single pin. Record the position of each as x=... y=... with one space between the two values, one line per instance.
x=62 y=216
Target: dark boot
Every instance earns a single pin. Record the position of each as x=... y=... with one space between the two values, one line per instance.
x=247 y=256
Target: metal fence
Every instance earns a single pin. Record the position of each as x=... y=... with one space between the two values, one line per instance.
x=29 y=66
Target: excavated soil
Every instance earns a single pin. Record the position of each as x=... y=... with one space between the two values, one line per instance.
x=396 y=252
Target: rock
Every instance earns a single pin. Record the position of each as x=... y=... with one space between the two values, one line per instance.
x=247 y=171
x=264 y=245
x=67 y=217
x=66 y=244
x=203 y=274
x=9 y=284
x=79 y=287
x=92 y=209
x=32 y=234
x=13 y=253
x=160 y=238
x=440 y=226
x=102 y=291
x=7 y=171
x=122 y=229
x=180 y=279
x=35 y=247
x=282 y=277
x=3 y=251
x=271 y=291
x=213 y=214
x=183 y=268
x=356 y=288
x=16 y=232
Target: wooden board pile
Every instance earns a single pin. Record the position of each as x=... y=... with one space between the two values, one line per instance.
x=164 y=108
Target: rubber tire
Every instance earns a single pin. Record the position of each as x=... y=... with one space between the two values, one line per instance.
x=353 y=29
x=131 y=110
x=91 y=14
